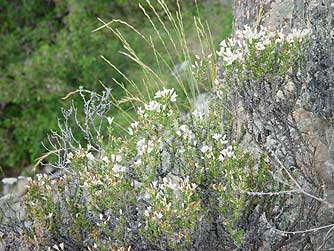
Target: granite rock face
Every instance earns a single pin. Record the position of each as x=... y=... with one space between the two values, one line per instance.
x=318 y=15
x=300 y=135
x=319 y=93
x=313 y=111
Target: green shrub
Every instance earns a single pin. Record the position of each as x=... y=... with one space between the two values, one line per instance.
x=161 y=186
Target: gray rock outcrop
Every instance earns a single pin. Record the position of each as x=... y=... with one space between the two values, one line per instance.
x=299 y=134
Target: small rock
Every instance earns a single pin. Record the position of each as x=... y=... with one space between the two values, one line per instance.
x=9 y=181
x=8 y=185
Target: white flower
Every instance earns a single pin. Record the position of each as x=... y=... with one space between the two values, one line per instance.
x=135 y=124
x=158 y=215
x=171 y=183
x=153 y=106
x=119 y=168
x=297 y=35
x=110 y=120
x=260 y=46
x=249 y=33
x=173 y=97
x=184 y=128
x=138 y=162
x=181 y=150
x=223 y=44
x=140 y=111
x=229 y=57
x=105 y=159
x=166 y=93
x=185 y=132
x=154 y=184
x=221 y=158
x=141 y=147
x=232 y=42
x=228 y=152
x=116 y=158
x=160 y=94
x=266 y=41
x=217 y=136
x=70 y=155
x=149 y=146
x=205 y=149
x=223 y=140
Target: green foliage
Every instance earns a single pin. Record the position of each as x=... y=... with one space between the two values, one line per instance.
x=49 y=50
x=156 y=186
x=263 y=54
x=172 y=180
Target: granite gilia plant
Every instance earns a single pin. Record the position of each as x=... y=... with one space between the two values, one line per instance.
x=171 y=183
x=176 y=181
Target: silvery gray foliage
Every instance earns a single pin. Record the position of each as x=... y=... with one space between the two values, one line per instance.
x=88 y=124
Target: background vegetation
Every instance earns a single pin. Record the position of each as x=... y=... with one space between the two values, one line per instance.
x=49 y=50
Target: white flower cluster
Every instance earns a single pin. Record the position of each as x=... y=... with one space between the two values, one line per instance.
x=207 y=151
x=133 y=126
x=228 y=52
x=185 y=132
x=149 y=213
x=177 y=183
x=117 y=167
x=297 y=35
x=219 y=137
x=158 y=191
x=144 y=147
x=234 y=49
x=153 y=106
x=226 y=153
x=166 y=93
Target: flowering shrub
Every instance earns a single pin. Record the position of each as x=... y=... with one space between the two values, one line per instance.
x=178 y=181
x=264 y=66
x=258 y=51
x=262 y=69
x=172 y=183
